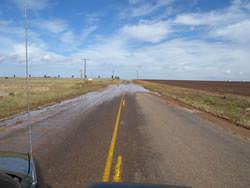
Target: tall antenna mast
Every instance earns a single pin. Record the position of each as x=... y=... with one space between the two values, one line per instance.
x=27 y=81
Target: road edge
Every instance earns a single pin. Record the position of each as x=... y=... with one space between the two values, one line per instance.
x=223 y=123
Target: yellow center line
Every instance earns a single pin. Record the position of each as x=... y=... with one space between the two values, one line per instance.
x=106 y=174
x=116 y=177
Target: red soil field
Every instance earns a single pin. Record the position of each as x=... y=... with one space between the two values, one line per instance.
x=222 y=87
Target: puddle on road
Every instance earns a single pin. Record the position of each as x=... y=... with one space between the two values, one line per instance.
x=84 y=102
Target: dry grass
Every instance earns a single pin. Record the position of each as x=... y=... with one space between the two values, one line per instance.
x=230 y=108
x=43 y=92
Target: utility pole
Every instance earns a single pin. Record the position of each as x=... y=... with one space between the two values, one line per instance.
x=113 y=74
x=85 y=68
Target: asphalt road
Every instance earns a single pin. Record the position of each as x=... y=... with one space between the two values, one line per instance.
x=122 y=135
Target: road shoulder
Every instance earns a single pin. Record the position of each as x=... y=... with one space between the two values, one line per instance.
x=189 y=150
x=225 y=124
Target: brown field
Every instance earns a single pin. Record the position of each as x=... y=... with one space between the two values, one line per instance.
x=228 y=100
x=222 y=87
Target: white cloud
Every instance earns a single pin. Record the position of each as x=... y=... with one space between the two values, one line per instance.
x=53 y=26
x=145 y=8
x=91 y=18
x=59 y=26
x=68 y=37
x=230 y=23
x=210 y=18
x=94 y=17
x=236 y=32
x=192 y=59
x=12 y=47
x=220 y=17
x=9 y=28
x=86 y=33
x=47 y=58
x=147 y=31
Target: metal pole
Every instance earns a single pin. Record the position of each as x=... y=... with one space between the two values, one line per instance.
x=27 y=71
x=85 y=69
x=27 y=86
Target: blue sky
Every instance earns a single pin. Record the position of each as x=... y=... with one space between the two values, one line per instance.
x=161 y=39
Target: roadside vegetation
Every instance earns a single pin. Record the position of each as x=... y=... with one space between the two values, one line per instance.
x=230 y=108
x=43 y=92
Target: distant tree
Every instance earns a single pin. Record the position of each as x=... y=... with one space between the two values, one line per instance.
x=14 y=76
x=58 y=76
x=30 y=75
x=72 y=76
x=45 y=76
x=99 y=77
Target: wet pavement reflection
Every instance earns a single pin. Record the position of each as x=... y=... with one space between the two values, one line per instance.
x=57 y=117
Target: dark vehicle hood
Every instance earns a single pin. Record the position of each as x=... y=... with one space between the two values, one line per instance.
x=18 y=163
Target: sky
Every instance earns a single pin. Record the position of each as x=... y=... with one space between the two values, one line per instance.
x=161 y=39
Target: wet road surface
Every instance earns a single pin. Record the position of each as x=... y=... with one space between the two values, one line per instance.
x=120 y=134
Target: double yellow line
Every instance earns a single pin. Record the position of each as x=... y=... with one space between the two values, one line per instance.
x=108 y=165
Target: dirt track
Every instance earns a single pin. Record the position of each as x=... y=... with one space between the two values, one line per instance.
x=237 y=88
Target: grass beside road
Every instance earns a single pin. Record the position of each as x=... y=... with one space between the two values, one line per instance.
x=43 y=92
x=230 y=108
